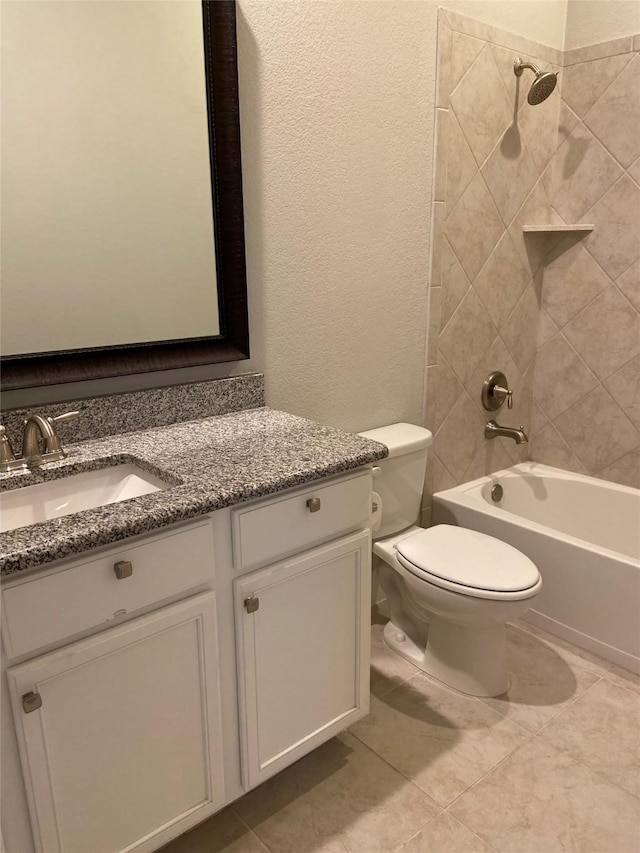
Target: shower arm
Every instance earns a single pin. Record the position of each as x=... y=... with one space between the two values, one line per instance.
x=519 y=66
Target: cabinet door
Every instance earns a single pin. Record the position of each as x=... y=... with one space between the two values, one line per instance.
x=303 y=652
x=124 y=750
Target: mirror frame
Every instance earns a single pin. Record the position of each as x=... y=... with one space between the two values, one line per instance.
x=232 y=344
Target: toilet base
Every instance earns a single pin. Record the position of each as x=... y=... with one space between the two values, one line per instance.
x=472 y=660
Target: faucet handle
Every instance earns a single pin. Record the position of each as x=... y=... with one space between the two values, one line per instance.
x=499 y=391
x=67 y=416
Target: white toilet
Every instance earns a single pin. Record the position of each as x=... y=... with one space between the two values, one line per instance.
x=450 y=590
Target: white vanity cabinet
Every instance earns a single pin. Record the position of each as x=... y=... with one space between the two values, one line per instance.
x=154 y=681
x=303 y=660
x=119 y=733
x=302 y=623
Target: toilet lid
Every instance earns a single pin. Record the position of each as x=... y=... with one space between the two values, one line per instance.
x=457 y=555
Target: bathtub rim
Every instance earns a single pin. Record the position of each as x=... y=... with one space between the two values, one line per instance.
x=464 y=495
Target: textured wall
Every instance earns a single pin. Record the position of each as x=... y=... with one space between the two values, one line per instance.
x=593 y=21
x=492 y=150
x=587 y=380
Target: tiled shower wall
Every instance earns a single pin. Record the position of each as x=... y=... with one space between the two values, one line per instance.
x=587 y=378
x=502 y=164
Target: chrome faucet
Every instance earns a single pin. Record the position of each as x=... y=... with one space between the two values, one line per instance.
x=36 y=428
x=493 y=430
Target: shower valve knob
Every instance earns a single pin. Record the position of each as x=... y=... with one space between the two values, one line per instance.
x=495 y=391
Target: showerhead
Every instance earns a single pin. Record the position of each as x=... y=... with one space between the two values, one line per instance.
x=542 y=86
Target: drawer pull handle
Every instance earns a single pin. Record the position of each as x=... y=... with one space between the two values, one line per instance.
x=252 y=604
x=313 y=504
x=123 y=569
x=31 y=702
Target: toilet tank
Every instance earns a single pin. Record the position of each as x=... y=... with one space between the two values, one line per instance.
x=401 y=478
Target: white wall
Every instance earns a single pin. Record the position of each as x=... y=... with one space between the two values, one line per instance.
x=337 y=109
x=593 y=21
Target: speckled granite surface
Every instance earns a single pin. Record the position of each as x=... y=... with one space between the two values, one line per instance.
x=210 y=464
x=136 y=410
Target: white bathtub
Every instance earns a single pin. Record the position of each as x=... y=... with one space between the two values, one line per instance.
x=584 y=536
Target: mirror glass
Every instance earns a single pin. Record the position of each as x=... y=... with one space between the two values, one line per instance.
x=109 y=240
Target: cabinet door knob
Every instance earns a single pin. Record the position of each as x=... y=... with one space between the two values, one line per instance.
x=252 y=604
x=123 y=569
x=313 y=504
x=31 y=702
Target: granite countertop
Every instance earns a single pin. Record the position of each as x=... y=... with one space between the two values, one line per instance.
x=209 y=464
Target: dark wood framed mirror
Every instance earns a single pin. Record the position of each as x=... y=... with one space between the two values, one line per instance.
x=232 y=343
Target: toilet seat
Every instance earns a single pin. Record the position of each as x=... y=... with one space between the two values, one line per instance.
x=469 y=562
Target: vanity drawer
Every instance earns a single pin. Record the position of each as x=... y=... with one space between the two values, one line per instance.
x=86 y=593
x=263 y=532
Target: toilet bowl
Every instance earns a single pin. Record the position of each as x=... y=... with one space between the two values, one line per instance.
x=450 y=590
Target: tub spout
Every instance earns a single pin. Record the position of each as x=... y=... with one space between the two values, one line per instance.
x=493 y=430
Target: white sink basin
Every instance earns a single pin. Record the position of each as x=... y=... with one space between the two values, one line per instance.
x=55 y=498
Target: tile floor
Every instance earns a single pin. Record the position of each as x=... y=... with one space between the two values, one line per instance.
x=552 y=765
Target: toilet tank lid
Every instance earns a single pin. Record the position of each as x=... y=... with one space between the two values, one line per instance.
x=400 y=438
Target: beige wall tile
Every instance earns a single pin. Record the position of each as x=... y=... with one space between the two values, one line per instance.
x=443 y=84
x=629 y=284
x=606 y=333
x=502 y=280
x=467 y=335
x=624 y=387
x=539 y=421
x=435 y=301
x=579 y=174
x=584 y=83
x=615 y=118
x=449 y=391
x=437 y=225
x=460 y=437
x=597 y=430
x=561 y=377
x=442 y=141
x=474 y=227
x=455 y=283
x=546 y=328
x=464 y=51
x=599 y=50
x=441 y=479
x=491 y=457
x=540 y=799
x=571 y=279
x=625 y=470
x=549 y=447
x=634 y=171
x=510 y=174
x=567 y=120
x=615 y=241
x=520 y=331
x=482 y=106
x=536 y=210
x=469 y=26
x=461 y=165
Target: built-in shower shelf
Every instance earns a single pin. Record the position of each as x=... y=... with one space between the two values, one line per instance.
x=541 y=229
